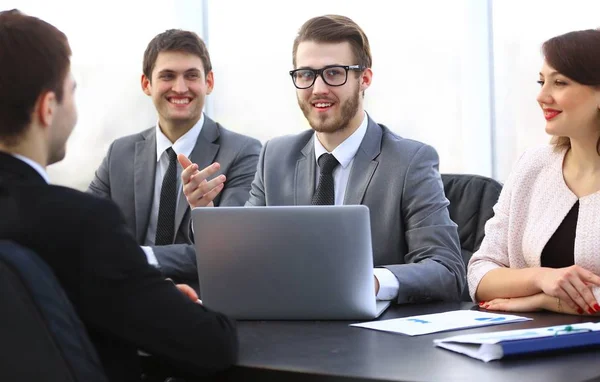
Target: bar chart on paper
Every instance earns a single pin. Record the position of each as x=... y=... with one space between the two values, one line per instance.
x=440 y=322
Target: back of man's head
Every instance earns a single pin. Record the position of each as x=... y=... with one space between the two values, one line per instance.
x=175 y=40
x=34 y=59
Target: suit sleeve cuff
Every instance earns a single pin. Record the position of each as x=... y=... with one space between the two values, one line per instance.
x=388 y=284
x=149 y=252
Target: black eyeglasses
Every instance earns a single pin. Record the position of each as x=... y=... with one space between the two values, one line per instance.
x=332 y=75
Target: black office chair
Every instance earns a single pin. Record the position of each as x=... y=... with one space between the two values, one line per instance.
x=472 y=198
x=41 y=336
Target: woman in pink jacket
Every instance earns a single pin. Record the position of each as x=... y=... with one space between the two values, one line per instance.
x=542 y=248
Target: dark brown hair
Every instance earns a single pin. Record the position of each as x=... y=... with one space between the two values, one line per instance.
x=335 y=29
x=35 y=58
x=175 y=40
x=575 y=55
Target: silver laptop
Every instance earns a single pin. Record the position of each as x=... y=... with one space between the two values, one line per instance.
x=287 y=262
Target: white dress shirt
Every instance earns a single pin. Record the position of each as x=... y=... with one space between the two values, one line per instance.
x=184 y=145
x=345 y=153
x=35 y=165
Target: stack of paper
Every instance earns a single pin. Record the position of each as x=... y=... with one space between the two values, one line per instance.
x=440 y=322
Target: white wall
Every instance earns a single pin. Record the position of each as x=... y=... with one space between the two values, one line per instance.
x=432 y=69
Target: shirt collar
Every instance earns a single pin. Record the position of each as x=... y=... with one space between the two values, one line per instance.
x=184 y=145
x=346 y=151
x=36 y=166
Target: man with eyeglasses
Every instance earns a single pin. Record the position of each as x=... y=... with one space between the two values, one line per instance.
x=350 y=159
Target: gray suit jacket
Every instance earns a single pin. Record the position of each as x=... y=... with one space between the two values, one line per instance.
x=127 y=174
x=398 y=180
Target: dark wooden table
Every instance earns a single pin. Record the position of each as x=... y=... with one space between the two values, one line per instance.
x=331 y=351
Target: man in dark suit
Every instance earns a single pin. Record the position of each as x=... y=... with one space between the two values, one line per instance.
x=124 y=303
x=136 y=171
x=347 y=158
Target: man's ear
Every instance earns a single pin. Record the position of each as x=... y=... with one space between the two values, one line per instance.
x=210 y=82
x=365 y=79
x=45 y=108
x=146 y=85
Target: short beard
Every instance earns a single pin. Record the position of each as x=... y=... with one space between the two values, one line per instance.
x=348 y=111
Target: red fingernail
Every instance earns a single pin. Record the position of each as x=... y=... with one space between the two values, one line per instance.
x=596 y=307
x=579 y=310
x=481 y=302
x=591 y=311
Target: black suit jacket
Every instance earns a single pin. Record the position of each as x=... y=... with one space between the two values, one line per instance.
x=124 y=303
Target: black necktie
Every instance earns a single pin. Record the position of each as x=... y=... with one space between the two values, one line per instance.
x=324 y=194
x=165 y=226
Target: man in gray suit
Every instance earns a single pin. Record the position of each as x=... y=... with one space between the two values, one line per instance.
x=140 y=172
x=350 y=159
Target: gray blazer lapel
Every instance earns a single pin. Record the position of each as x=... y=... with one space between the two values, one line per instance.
x=364 y=164
x=203 y=154
x=305 y=175
x=144 y=175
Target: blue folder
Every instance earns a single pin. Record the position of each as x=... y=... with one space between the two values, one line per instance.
x=561 y=341
x=497 y=345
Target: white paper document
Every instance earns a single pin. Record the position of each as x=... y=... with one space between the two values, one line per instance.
x=440 y=322
x=489 y=346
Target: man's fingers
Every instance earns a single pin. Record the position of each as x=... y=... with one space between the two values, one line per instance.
x=211 y=184
x=202 y=199
x=198 y=191
x=194 y=190
x=184 y=161
x=188 y=172
x=197 y=186
x=192 y=178
x=212 y=194
x=187 y=291
x=207 y=172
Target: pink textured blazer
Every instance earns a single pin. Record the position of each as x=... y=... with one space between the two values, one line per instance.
x=533 y=203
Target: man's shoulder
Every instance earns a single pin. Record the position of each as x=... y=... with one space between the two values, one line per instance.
x=132 y=139
x=63 y=209
x=394 y=143
x=77 y=202
x=230 y=137
x=291 y=141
